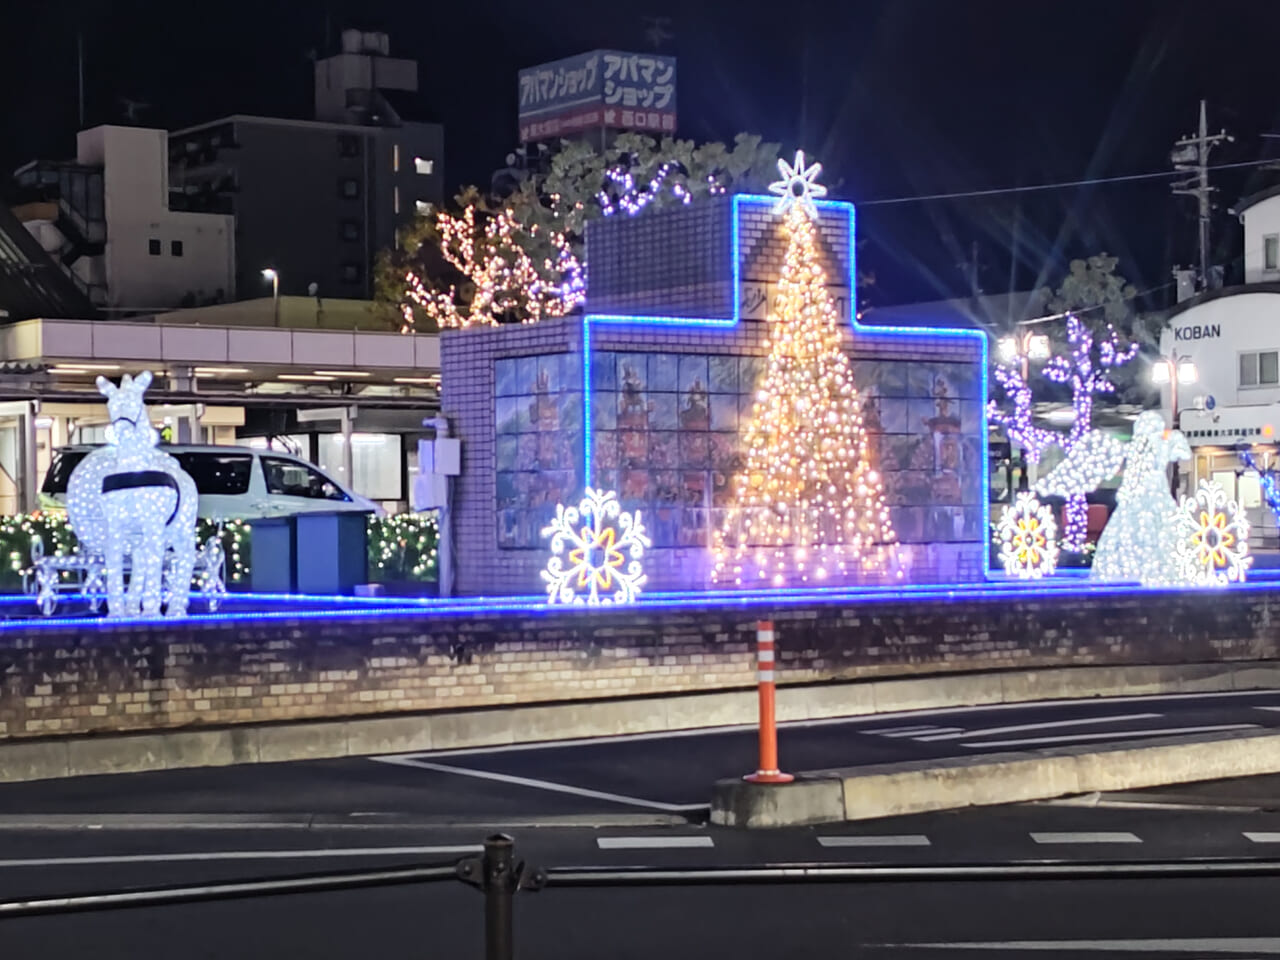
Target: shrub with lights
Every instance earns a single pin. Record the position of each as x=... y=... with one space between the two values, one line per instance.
x=401 y=548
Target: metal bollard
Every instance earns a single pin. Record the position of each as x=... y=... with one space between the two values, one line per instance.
x=499 y=875
x=499 y=890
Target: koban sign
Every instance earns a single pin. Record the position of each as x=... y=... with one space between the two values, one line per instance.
x=1209 y=331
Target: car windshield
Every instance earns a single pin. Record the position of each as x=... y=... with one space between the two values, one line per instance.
x=64 y=461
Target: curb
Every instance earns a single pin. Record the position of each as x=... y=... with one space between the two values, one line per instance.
x=47 y=758
x=922 y=786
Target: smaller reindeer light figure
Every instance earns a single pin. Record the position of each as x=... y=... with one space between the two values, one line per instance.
x=131 y=504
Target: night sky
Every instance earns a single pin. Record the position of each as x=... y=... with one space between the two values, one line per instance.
x=896 y=97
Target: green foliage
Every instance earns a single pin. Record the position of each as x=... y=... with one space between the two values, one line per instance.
x=403 y=548
x=16 y=533
x=565 y=197
x=1100 y=297
x=234 y=535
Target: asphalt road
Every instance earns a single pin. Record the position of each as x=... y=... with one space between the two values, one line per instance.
x=637 y=801
x=656 y=773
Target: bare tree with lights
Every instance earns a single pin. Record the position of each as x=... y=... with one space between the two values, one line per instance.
x=1088 y=370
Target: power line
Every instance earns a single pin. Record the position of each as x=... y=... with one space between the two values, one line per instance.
x=1063 y=185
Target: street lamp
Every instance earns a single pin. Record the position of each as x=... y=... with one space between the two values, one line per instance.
x=1024 y=345
x=270 y=274
x=1174 y=369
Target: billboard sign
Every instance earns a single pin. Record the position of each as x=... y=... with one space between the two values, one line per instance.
x=626 y=91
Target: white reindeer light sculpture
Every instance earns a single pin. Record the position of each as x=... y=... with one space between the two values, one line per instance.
x=131 y=504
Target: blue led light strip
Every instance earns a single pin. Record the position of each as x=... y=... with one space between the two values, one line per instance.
x=411 y=610
x=910 y=333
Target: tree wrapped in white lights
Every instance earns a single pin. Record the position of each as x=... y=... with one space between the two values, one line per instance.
x=505 y=282
x=809 y=504
x=1088 y=371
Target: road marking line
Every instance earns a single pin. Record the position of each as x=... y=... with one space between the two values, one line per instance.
x=1117 y=836
x=959 y=731
x=244 y=855
x=1200 y=945
x=1262 y=836
x=1047 y=725
x=854 y=719
x=652 y=843
x=544 y=785
x=1115 y=735
x=886 y=731
x=881 y=840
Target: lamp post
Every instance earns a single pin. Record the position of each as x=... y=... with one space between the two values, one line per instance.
x=1024 y=345
x=270 y=274
x=1174 y=369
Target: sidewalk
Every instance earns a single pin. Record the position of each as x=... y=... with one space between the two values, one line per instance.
x=919 y=786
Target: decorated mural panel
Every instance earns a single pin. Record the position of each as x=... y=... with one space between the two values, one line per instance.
x=667 y=437
x=538 y=447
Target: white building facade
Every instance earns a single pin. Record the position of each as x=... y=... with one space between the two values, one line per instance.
x=141 y=256
x=1232 y=337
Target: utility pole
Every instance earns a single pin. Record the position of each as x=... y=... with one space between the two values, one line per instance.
x=1191 y=154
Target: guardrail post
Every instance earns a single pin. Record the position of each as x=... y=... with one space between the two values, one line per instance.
x=500 y=883
x=768 y=771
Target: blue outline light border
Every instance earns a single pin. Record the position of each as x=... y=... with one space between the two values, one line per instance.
x=408 y=610
x=931 y=333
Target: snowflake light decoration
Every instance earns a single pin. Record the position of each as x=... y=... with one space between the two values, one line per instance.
x=798 y=186
x=590 y=544
x=1214 y=548
x=1028 y=539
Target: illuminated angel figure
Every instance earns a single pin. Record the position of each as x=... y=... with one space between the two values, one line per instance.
x=597 y=570
x=132 y=505
x=1028 y=539
x=1140 y=541
x=1214 y=546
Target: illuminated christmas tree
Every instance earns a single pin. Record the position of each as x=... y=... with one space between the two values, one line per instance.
x=809 y=505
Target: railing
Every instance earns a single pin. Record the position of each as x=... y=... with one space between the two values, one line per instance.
x=499 y=875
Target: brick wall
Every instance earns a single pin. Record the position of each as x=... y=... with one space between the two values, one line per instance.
x=58 y=682
x=677 y=263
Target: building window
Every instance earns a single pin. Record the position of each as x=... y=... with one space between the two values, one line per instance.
x=153 y=247
x=175 y=248
x=421 y=207
x=351 y=273
x=395 y=158
x=1260 y=369
x=349 y=187
x=423 y=167
x=350 y=231
x=395 y=200
x=348 y=145
x=1271 y=252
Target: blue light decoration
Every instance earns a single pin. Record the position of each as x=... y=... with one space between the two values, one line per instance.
x=922 y=335
x=322 y=609
x=1270 y=480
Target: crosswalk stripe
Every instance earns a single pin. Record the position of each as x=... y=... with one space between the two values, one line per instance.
x=653 y=843
x=1117 y=836
x=877 y=840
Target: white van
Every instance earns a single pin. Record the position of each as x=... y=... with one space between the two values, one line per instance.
x=236 y=482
